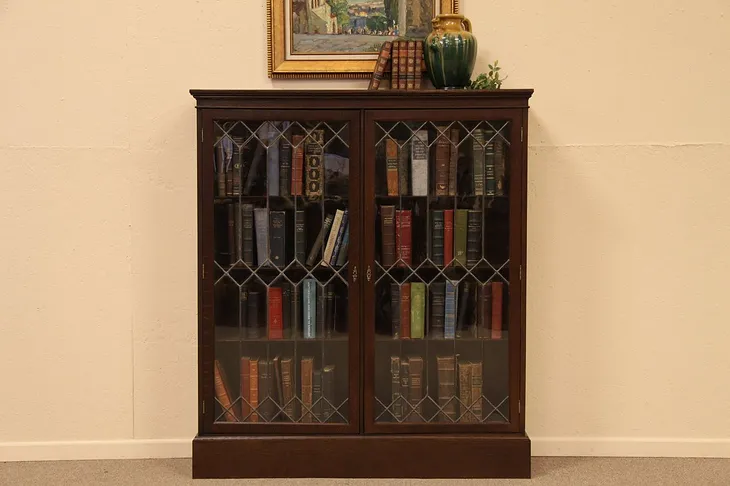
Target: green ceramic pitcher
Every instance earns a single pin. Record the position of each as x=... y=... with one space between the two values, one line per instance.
x=450 y=53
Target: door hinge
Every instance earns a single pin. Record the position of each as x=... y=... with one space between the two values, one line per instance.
x=519 y=406
x=520 y=272
x=203 y=270
x=202 y=135
x=522 y=134
x=203 y=407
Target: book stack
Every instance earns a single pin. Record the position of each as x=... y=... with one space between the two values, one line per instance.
x=406 y=61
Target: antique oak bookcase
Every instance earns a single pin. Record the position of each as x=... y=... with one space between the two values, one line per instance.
x=362 y=283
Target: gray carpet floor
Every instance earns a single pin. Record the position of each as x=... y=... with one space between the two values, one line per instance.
x=546 y=471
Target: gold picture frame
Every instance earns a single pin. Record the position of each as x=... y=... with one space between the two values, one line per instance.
x=323 y=65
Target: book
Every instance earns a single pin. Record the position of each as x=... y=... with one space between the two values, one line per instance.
x=314 y=175
x=222 y=393
x=465 y=415
x=419 y=163
x=252 y=317
x=497 y=293
x=405 y=389
x=285 y=161
x=478 y=162
x=415 y=395
x=403 y=65
x=448 y=236
x=238 y=223
x=500 y=168
x=297 y=169
x=286 y=310
x=387 y=223
x=296 y=310
x=446 y=388
x=307 y=371
x=267 y=406
x=380 y=64
x=300 y=236
x=391 y=166
x=476 y=392
x=272 y=159
x=490 y=181
x=329 y=310
x=328 y=393
x=243 y=310
x=484 y=311
x=277 y=231
x=320 y=312
x=309 y=304
x=463 y=320
x=473 y=237
x=254 y=389
x=236 y=183
x=419 y=66
x=261 y=221
x=222 y=146
x=340 y=238
x=278 y=389
x=437 y=237
x=403 y=237
x=342 y=253
x=276 y=318
x=248 y=223
x=443 y=159
x=411 y=65
x=405 y=310
x=395 y=310
x=438 y=309
x=460 y=224
x=340 y=215
x=317 y=395
x=403 y=168
x=289 y=387
x=396 y=408
x=245 y=371
x=253 y=170
x=418 y=310
x=453 y=161
x=231 y=215
x=314 y=252
x=450 y=307
x=395 y=68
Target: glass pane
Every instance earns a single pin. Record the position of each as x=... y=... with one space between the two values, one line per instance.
x=442 y=272
x=281 y=259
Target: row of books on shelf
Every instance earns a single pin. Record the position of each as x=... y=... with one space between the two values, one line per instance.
x=455 y=234
x=270 y=392
x=406 y=60
x=488 y=164
x=312 y=309
x=270 y=230
x=460 y=395
x=455 y=310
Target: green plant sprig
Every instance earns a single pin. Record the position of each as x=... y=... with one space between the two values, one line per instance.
x=490 y=80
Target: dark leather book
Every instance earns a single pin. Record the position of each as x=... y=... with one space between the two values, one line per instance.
x=254 y=391
x=497 y=294
x=396 y=408
x=405 y=311
x=243 y=311
x=278 y=389
x=415 y=394
x=328 y=393
x=324 y=231
x=443 y=159
x=321 y=312
x=490 y=181
x=317 y=395
x=285 y=160
x=500 y=168
x=229 y=182
x=437 y=237
x=473 y=237
x=404 y=171
x=289 y=386
x=300 y=237
x=395 y=310
x=450 y=309
x=484 y=311
x=419 y=65
x=391 y=166
x=478 y=162
x=403 y=65
x=448 y=236
x=247 y=218
x=238 y=214
x=411 y=65
x=313 y=162
x=307 y=371
x=223 y=394
x=296 y=310
x=387 y=222
x=463 y=308
x=237 y=167
x=329 y=315
x=438 y=310
x=253 y=330
x=252 y=169
x=286 y=309
x=266 y=407
x=453 y=160
x=277 y=231
x=446 y=388
x=404 y=237
x=261 y=221
x=297 y=170
x=276 y=317
x=245 y=366
x=220 y=168
x=395 y=63
x=231 y=216
x=342 y=253
x=405 y=389
x=380 y=64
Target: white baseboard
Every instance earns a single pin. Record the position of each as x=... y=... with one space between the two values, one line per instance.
x=95 y=449
x=630 y=447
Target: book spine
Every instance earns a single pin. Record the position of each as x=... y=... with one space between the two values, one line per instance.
x=288 y=388
x=297 y=170
x=446 y=386
x=453 y=160
x=317 y=395
x=338 y=240
x=300 y=237
x=419 y=65
x=405 y=389
x=272 y=159
x=416 y=388
x=395 y=310
x=438 y=298
x=476 y=391
x=314 y=252
x=220 y=166
x=465 y=392
x=296 y=310
x=380 y=64
x=448 y=236
x=418 y=310
x=278 y=389
x=321 y=312
x=222 y=393
x=236 y=185
x=285 y=160
x=307 y=370
x=243 y=311
x=328 y=393
x=411 y=66
x=278 y=238
x=404 y=237
x=450 y=309
x=490 y=181
x=254 y=390
x=332 y=237
x=500 y=168
x=405 y=310
x=239 y=230
x=395 y=63
x=443 y=157
x=437 y=237
x=315 y=173
x=254 y=166
x=329 y=312
x=252 y=318
x=497 y=293
x=460 y=223
x=266 y=405
x=229 y=181
x=247 y=253
x=484 y=324
x=387 y=221
x=231 y=217
x=403 y=65
x=309 y=299
x=396 y=406
x=261 y=220
x=478 y=161
x=342 y=253
x=391 y=166
x=462 y=321
x=245 y=366
x=276 y=318
x=403 y=169
x=286 y=310
x=419 y=163
x=473 y=237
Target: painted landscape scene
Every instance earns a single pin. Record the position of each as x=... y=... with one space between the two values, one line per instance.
x=356 y=26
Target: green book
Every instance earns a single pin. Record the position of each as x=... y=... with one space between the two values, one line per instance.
x=460 y=225
x=418 y=309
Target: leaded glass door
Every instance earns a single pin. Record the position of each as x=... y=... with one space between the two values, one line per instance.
x=281 y=271
x=442 y=257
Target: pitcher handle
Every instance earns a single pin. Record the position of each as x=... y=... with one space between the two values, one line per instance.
x=467 y=24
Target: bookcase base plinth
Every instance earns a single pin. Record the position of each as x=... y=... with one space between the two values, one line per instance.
x=362 y=456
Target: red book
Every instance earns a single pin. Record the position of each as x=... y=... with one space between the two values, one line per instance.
x=405 y=311
x=297 y=165
x=448 y=236
x=403 y=221
x=497 y=288
x=276 y=327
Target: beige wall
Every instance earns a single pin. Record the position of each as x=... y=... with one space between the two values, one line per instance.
x=628 y=222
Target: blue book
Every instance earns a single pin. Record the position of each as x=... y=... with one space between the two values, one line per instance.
x=450 y=319
x=340 y=237
x=309 y=304
x=342 y=253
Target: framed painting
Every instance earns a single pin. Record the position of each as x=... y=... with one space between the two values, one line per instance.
x=341 y=38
